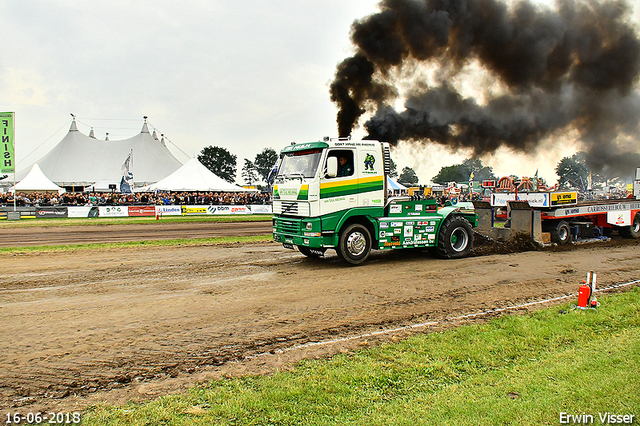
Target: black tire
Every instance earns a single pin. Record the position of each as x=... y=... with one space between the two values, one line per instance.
x=455 y=238
x=307 y=251
x=632 y=231
x=561 y=234
x=354 y=245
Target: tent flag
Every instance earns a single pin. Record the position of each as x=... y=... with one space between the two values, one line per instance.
x=273 y=172
x=7 y=164
x=127 y=176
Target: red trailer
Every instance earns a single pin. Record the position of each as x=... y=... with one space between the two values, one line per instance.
x=592 y=219
x=566 y=219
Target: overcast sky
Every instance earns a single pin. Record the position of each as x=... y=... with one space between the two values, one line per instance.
x=244 y=75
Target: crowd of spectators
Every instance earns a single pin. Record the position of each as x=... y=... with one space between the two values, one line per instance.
x=41 y=199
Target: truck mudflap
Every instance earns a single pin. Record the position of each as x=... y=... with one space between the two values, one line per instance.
x=312 y=252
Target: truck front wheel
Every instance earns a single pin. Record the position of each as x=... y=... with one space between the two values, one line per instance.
x=455 y=238
x=355 y=244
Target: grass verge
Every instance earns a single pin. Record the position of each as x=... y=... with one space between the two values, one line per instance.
x=518 y=369
x=155 y=243
x=105 y=221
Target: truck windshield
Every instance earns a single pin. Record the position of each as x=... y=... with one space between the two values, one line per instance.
x=300 y=164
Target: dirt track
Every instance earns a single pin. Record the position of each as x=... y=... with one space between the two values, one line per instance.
x=114 y=325
x=12 y=237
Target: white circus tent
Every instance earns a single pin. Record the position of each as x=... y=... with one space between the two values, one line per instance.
x=81 y=160
x=193 y=176
x=35 y=180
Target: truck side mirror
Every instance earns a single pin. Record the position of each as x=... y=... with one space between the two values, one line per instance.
x=332 y=167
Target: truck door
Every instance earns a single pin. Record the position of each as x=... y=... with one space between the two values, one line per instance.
x=340 y=192
x=370 y=170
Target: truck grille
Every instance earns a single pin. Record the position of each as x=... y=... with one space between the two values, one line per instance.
x=289 y=226
x=291 y=208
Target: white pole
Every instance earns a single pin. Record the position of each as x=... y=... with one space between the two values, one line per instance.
x=14 y=162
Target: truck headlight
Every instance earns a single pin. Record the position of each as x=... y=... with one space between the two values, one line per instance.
x=308 y=226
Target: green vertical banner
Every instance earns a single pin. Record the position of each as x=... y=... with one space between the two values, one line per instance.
x=7 y=154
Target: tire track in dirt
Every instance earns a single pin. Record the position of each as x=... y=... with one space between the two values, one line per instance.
x=98 y=325
x=60 y=235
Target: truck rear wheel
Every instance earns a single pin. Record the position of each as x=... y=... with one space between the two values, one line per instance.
x=634 y=230
x=355 y=244
x=455 y=238
x=561 y=234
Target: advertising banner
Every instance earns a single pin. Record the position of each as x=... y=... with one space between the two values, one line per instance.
x=261 y=209
x=83 y=211
x=564 y=198
x=142 y=211
x=169 y=210
x=229 y=210
x=535 y=199
x=49 y=212
x=7 y=154
x=195 y=210
x=113 y=211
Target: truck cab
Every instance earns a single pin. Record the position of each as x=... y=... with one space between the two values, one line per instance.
x=332 y=194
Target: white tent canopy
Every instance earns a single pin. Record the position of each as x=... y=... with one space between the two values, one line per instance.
x=395 y=186
x=81 y=160
x=35 y=180
x=193 y=176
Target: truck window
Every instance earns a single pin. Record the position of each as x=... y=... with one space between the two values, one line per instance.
x=345 y=162
x=300 y=163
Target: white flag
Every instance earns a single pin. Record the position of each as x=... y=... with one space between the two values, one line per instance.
x=126 y=182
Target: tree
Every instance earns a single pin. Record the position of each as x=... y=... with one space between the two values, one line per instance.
x=573 y=171
x=393 y=169
x=462 y=172
x=480 y=171
x=220 y=161
x=408 y=176
x=264 y=162
x=249 y=172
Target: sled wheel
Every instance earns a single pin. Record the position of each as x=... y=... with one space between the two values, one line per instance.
x=633 y=231
x=355 y=244
x=561 y=234
x=455 y=238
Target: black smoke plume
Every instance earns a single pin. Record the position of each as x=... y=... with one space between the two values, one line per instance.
x=573 y=68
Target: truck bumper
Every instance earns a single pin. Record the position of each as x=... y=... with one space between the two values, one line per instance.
x=301 y=232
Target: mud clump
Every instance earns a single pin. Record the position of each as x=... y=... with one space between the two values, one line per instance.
x=483 y=245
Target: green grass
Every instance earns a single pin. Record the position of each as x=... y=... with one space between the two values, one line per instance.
x=130 y=220
x=154 y=243
x=517 y=369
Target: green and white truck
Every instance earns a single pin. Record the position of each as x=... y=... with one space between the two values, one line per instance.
x=332 y=194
